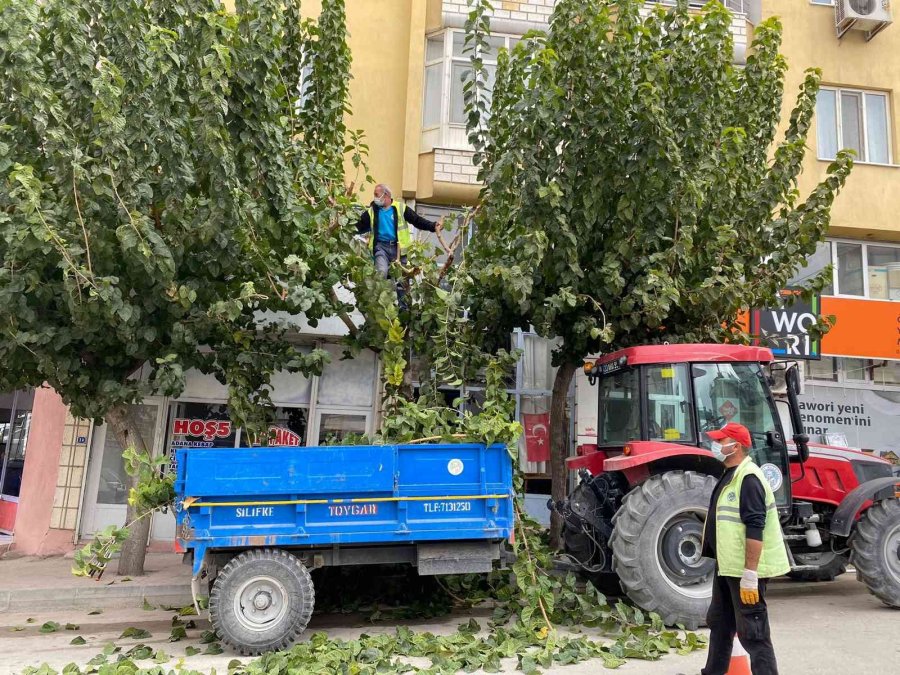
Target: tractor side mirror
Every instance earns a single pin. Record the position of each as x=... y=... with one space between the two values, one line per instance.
x=801 y=439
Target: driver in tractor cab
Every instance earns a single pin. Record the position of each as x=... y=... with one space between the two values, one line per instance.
x=743 y=535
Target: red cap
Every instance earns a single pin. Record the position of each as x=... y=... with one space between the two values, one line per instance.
x=733 y=430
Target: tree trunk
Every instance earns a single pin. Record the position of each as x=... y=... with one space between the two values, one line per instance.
x=559 y=446
x=134 y=549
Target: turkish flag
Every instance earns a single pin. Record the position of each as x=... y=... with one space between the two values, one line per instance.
x=537 y=436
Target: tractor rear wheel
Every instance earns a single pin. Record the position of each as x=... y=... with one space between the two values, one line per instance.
x=828 y=566
x=657 y=546
x=875 y=550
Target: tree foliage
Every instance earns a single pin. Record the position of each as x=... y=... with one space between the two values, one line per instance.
x=169 y=189
x=634 y=191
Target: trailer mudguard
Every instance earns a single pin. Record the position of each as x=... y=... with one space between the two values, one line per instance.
x=845 y=514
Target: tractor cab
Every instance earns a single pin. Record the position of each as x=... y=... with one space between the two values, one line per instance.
x=660 y=400
x=634 y=519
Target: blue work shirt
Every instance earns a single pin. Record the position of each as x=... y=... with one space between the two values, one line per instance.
x=387 y=224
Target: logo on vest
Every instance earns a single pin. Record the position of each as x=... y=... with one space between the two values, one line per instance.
x=732 y=496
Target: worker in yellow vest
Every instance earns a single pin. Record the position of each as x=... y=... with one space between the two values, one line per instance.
x=743 y=534
x=388 y=222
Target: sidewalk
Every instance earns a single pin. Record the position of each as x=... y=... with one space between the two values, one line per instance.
x=47 y=583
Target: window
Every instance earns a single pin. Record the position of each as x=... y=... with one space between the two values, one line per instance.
x=335 y=427
x=850 y=269
x=735 y=392
x=860 y=270
x=823 y=370
x=453 y=220
x=854 y=120
x=883 y=271
x=620 y=408
x=854 y=372
x=822 y=2
x=15 y=422
x=446 y=70
x=669 y=410
x=817 y=262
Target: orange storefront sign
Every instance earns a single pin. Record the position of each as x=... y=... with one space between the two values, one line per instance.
x=864 y=328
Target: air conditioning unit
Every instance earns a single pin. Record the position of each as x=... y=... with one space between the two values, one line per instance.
x=869 y=16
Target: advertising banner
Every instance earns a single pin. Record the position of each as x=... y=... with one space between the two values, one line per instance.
x=863 y=419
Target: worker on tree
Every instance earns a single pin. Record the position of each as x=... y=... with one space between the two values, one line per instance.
x=388 y=221
x=743 y=534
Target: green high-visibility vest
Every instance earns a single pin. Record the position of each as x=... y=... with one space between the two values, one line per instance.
x=731 y=534
x=402 y=226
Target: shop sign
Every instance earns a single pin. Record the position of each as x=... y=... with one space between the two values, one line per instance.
x=284 y=437
x=785 y=329
x=208 y=430
x=863 y=328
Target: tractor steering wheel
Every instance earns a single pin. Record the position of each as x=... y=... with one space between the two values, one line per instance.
x=714 y=423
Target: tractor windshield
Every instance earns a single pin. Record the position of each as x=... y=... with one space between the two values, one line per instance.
x=737 y=392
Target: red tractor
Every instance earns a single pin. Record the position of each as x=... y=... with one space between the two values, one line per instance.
x=634 y=522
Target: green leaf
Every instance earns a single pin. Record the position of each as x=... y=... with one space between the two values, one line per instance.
x=78 y=640
x=191 y=651
x=49 y=627
x=136 y=633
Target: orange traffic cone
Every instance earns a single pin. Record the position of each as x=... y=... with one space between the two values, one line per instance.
x=740 y=660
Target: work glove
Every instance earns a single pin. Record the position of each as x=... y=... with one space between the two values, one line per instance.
x=749 y=587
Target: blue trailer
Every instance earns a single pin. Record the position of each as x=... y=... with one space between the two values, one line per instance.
x=258 y=519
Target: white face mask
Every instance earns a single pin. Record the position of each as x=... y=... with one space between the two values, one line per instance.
x=717 y=451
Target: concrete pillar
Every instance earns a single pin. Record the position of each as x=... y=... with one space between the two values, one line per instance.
x=33 y=534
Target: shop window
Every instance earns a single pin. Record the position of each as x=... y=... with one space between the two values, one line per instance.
x=335 y=427
x=823 y=370
x=853 y=120
x=290 y=427
x=200 y=425
x=817 y=262
x=348 y=382
x=15 y=422
x=850 y=269
x=884 y=272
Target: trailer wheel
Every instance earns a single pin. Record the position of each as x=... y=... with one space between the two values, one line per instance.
x=828 y=566
x=875 y=550
x=261 y=601
x=656 y=545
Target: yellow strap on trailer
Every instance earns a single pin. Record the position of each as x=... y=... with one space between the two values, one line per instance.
x=190 y=502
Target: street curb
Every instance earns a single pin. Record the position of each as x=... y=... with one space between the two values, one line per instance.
x=97 y=597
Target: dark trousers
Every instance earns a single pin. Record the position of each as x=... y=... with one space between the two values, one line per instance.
x=727 y=615
x=384 y=253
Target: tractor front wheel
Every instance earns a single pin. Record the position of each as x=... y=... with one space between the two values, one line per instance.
x=657 y=546
x=875 y=550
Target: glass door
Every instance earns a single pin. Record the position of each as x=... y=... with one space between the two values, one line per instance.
x=106 y=493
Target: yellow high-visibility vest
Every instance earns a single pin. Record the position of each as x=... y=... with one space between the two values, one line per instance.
x=402 y=226
x=731 y=533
